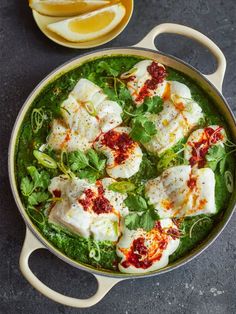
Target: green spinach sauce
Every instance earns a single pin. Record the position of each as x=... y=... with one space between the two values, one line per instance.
x=104 y=72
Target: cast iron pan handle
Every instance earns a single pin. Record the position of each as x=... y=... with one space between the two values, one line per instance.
x=218 y=76
x=31 y=244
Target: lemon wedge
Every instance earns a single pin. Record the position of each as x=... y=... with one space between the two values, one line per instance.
x=66 y=7
x=91 y=25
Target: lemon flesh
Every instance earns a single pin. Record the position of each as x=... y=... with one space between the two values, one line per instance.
x=66 y=8
x=91 y=25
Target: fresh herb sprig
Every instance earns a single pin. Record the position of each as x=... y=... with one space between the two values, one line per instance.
x=141 y=215
x=142 y=129
x=217 y=157
x=90 y=165
x=104 y=68
x=34 y=186
x=151 y=105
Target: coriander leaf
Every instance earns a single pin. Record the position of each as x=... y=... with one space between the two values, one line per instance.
x=146 y=221
x=77 y=160
x=44 y=180
x=152 y=105
x=92 y=77
x=37 y=197
x=93 y=157
x=104 y=67
x=153 y=213
x=141 y=119
x=142 y=129
x=89 y=174
x=110 y=92
x=147 y=170
x=101 y=165
x=138 y=133
x=124 y=93
x=215 y=153
x=212 y=164
x=136 y=203
x=40 y=180
x=33 y=172
x=132 y=221
x=26 y=186
x=202 y=122
x=140 y=189
x=150 y=127
x=121 y=187
x=141 y=214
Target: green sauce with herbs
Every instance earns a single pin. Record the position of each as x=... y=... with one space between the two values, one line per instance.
x=105 y=73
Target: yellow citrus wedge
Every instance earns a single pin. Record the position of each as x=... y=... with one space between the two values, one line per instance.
x=66 y=7
x=91 y=25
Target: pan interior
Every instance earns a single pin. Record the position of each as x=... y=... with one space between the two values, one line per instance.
x=72 y=67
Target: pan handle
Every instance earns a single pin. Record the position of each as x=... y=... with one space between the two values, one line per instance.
x=218 y=76
x=31 y=244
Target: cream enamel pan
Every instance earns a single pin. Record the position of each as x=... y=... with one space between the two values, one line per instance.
x=212 y=85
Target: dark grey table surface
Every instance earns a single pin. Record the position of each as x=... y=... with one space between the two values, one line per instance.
x=205 y=285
